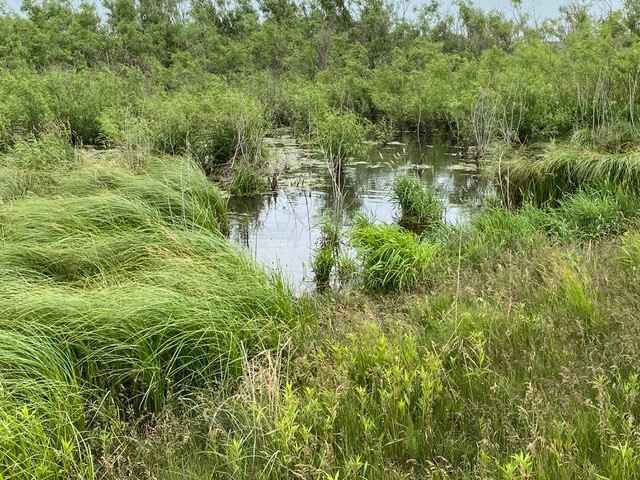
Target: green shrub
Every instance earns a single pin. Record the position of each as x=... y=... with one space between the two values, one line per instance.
x=25 y=106
x=32 y=162
x=340 y=135
x=48 y=151
x=78 y=99
x=214 y=127
x=32 y=101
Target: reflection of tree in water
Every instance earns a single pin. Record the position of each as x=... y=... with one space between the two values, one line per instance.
x=246 y=216
x=351 y=201
x=432 y=162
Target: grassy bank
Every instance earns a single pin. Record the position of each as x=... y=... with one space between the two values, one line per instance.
x=119 y=293
x=518 y=363
x=137 y=342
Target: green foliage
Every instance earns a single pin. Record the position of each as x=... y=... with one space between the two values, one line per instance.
x=340 y=136
x=419 y=205
x=32 y=161
x=322 y=265
x=246 y=178
x=327 y=258
x=214 y=127
x=135 y=341
x=386 y=381
x=563 y=170
x=117 y=289
x=384 y=131
x=392 y=258
x=618 y=138
x=51 y=150
x=592 y=214
x=75 y=99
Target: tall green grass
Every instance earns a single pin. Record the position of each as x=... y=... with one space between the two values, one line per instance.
x=392 y=258
x=524 y=367
x=119 y=288
x=418 y=204
x=562 y=170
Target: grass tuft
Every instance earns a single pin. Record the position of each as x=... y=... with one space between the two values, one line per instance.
x=392 y=258
x=419 y=205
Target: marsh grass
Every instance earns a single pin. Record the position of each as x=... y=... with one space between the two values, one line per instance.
x=618 y=137
x=562 y=170
x=215 y=127
x=244 y=178
x=392 y=258
x=539 y=347
x=419 y=205
x=117 y=284
x=137 y=342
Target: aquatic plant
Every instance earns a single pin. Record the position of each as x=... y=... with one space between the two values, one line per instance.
x=392 y=258
x=245 y=178
x=339 y=135
x=322 y=265
x=419 y=204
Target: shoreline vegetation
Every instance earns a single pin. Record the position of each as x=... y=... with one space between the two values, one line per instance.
x=138 y=342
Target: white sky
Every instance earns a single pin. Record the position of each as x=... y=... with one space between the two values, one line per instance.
x=539 y=8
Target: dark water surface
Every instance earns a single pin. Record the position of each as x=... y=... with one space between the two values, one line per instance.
x=282 y=230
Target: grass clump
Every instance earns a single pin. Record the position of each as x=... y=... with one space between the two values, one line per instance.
x=119 y=293
x=419 y=205
x=619 y=137
x=32 y=161
x=391 y=258
x=563 y=170
x=245 y=178
x=592 y=214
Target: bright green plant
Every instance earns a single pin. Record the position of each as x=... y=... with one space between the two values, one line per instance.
x=340 y=135
x=392 y=258
x=418 y=204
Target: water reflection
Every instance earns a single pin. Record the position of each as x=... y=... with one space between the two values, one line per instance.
x=282 y=230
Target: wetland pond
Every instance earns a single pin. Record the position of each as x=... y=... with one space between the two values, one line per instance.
x=282 y=229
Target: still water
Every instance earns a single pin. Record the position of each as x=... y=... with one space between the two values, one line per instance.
x=282 y=230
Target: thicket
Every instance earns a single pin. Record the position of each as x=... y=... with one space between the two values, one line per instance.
x=209 y=78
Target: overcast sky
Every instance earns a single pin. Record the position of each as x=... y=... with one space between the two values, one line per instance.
x=541 y=8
